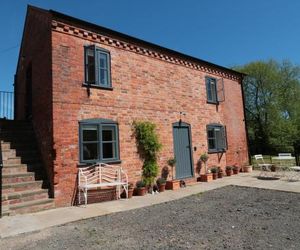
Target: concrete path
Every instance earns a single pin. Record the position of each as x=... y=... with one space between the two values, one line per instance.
x=14 y=225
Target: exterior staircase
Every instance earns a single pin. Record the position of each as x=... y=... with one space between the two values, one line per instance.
x=24 y=186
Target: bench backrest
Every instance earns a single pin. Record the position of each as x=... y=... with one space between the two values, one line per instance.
x=100 y=173
x=285 y=155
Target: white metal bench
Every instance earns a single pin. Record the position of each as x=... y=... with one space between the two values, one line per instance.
x=101 y=175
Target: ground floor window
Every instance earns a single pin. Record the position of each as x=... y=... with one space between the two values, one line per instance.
x=99 y=141
x=216 y=137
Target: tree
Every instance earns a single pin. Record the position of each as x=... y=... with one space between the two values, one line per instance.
x=272 y=102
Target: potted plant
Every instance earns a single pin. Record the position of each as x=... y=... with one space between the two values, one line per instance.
x=130 y=191
x=140 y=188
x=236 y=169
x=247 y=168
x=220 y=172
x=207 y=176
x=214 y=171
x=161 y=183
x=228 y=170
x=172 y=184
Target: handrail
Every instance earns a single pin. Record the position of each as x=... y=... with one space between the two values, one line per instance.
x=1 y=166
x=7 y=105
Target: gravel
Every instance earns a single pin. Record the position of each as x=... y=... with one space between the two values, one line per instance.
x=227 y=218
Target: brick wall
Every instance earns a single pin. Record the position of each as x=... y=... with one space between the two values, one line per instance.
x=144 y=88
x=36 y=50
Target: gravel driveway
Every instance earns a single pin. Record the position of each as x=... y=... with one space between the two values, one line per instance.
x=226 y=218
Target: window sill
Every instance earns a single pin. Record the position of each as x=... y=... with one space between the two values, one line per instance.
x=85 y=164
x=211 y=102
x=216 y=151
x=92 y=86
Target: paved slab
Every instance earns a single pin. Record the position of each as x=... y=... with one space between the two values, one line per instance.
x=14 y=225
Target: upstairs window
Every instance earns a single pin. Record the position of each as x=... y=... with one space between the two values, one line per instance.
x=97 y=67
x=216 y=137
x=99 y=141
x=214 y=90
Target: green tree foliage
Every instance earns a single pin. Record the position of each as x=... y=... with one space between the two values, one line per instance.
x=272 y=100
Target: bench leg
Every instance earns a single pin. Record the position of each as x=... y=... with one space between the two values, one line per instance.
x=85 y=196
x=79 y=199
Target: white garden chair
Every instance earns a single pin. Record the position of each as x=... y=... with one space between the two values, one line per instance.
x=265 y=168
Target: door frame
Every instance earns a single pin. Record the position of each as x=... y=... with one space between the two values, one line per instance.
x=181 y=124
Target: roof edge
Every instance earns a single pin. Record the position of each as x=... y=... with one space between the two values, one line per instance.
x=131 y=39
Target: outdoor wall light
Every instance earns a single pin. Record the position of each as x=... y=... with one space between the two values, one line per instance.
x=181 y=114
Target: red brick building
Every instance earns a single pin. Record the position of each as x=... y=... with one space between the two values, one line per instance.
x=82 y=86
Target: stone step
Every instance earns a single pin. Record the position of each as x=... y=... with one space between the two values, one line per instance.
x=21 y=186
x=14 y=168
x=31 y=206
x=5 y=145
x=13 y=160
x=8 y=153
x=24 y=196
x=18 y=177
x=5 y=210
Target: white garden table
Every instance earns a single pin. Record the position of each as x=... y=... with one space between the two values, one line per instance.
x=287 y=166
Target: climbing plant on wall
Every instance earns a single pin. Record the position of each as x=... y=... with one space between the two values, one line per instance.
x=149 y=146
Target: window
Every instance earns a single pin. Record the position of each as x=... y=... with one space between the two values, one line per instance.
x=97 y=67
x=216 y=138
x=99 y=141
x=214 y=90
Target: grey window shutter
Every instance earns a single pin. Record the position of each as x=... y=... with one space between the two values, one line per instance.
x=223 y=138
x=220 y=90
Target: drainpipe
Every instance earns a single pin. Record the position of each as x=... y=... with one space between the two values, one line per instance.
x=245 y=120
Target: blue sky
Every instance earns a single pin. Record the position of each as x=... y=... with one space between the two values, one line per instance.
x=228 y=33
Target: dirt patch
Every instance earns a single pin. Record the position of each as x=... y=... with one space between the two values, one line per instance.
x=226 y=218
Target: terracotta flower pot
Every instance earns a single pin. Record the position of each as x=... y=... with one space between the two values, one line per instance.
x=215 y=176
x=220 y=174
x=162 y=187
x=228 y=172
x=247 y=169
x=235 y=171
x=206 y=177
x=130 y=193
x=173 y=185
x=141 y=191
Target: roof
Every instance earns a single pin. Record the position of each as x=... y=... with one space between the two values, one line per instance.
x=109 y=32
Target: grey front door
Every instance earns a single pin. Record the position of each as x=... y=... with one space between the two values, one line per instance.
x=182 y=150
